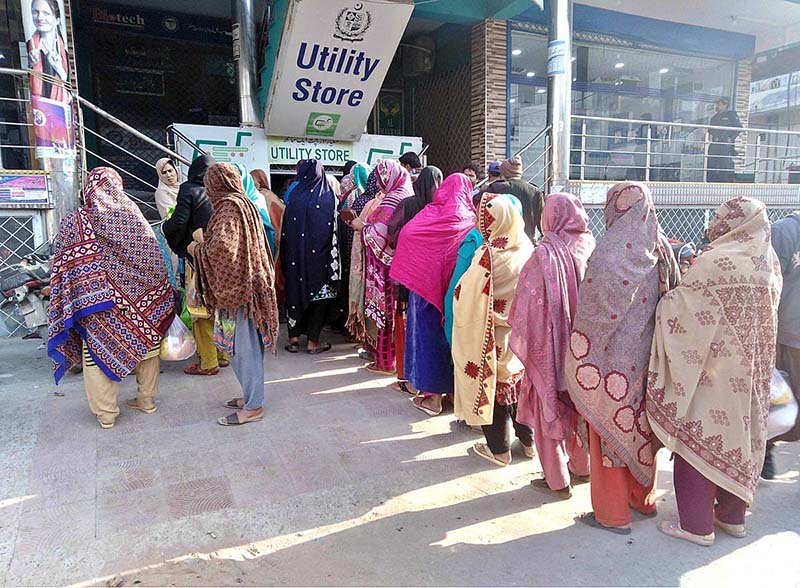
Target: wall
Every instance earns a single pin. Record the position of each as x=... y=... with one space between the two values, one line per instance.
x=488 y=105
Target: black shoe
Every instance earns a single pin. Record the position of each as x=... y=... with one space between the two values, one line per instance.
x=768 y=471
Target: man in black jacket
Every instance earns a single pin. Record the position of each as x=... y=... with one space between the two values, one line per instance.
x=720 y=150
x=192 y=210
x=529 y=195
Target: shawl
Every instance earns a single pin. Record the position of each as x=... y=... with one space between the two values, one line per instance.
x=363 y=206
x=485 y=366
x=275 y=206
x=543 y=309
x=260 y=202
x=166 y=195
x=395 y=183
x=109 y=285
x=309 y=252
x=233 y=263
x=427 y=247
x=361 y=176
x=429 y=179
x=714 y=351
x=631 y=267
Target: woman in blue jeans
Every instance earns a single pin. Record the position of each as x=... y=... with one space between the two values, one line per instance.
x=238 y=283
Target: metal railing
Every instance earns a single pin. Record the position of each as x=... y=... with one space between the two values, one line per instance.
x=605 y=148
x=535 y=155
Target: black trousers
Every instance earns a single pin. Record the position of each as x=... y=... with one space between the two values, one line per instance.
x=312 y=321
x=498 y=434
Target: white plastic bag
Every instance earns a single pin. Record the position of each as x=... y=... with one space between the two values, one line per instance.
x=178 y=344
x=783 y=407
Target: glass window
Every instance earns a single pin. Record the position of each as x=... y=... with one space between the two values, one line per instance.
x=613 y=82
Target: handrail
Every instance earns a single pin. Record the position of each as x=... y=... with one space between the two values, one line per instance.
x=688 y=125
x=185 y=139
x=522 y=150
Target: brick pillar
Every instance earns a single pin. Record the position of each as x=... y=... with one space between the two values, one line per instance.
x=489 y=107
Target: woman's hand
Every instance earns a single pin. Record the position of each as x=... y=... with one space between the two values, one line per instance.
x=357 y=224
x=192 y=247
x=198 y=235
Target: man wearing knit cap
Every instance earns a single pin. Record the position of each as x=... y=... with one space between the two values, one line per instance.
x=529 y=195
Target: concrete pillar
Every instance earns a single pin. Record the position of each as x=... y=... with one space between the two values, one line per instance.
x=489 y=108
x=244 y=55
x=559 y=90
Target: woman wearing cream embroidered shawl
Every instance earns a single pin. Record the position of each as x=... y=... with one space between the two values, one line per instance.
x=710 y=371
x=487 y=373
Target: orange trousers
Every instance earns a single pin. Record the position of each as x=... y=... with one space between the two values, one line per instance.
x=615 y=491
x=400 y=340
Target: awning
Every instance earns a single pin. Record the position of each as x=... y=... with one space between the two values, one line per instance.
x=471 y=11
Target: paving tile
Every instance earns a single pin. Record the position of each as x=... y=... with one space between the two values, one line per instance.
x=199 y=496
x=131 y=512
x=186 y=465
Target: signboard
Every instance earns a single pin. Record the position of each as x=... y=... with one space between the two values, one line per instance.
x=44 y=23
x=247 y=146
x=332 y=61
x=371 y=149
x=555 y=57
x=390 y=112
x=24 y=190
x=288 y=151
x=775 y=93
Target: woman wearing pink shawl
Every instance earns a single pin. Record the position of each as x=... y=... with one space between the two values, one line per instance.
x=541 y=322
x=395 y=184
x=427 y=248
x=609 y=352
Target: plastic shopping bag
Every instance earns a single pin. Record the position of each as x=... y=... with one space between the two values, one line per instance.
x=178 y=344
x=194 y=303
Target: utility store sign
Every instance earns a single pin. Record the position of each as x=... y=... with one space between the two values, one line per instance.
x=332 y=61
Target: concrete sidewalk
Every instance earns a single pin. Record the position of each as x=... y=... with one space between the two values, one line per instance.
x=344 y=482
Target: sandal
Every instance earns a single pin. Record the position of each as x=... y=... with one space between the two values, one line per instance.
x=673 y=529
x=234 y=403
x=105 y=425
x=196 y=370
x=589 y=519
x=373 y=367
x=405 y=386
x=482 y=450
x=232 y=420
x=321 y=349
x=541 y=484
x=223 y=363
x=292 y=347
x=365 y=355
x=134 y=404
x=417 y=402
x=731 y=529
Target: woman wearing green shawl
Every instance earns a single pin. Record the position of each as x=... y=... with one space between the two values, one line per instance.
x=258 y=200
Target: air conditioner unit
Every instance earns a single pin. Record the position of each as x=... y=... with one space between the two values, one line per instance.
x=418 y=56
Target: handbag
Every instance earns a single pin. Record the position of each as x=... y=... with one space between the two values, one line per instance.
x=224 y=332
x=194 y=302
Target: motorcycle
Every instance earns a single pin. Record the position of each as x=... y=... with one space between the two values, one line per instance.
x=26 y=286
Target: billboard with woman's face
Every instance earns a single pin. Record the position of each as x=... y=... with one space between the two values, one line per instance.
x=45 y=28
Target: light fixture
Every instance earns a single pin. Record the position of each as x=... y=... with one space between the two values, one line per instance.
x=574 y=59
x=513 y=100
x=574 y=79
x=516 y=52
x=619 y=65
x=541 y=91
x=530 y=74
x=2 y=56
x=663 y=70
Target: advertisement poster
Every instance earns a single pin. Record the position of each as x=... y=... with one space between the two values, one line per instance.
x=45 y=29
x=24 y=190
x=333 y=58
x=247 y=146
x=390 y=112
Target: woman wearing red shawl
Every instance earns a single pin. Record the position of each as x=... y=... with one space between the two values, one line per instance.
x=541 y=322
x=711 y=363
x=606 y=367
x=427 y=248
x=110 y=302
x=395 y=184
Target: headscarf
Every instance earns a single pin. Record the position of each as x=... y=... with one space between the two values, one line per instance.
x=485 y=366
x=232 y=262
x=360 y=175
x=713 y=352
x=166 y=195
x=309 y=252
x=427 y=247
x=347 y=187
x=543 y=310
x=395 y=183
x=260 y=202
x=275 y=207
x=631 y=267
x=109 y=285
x=426 y=184
x=348 y=167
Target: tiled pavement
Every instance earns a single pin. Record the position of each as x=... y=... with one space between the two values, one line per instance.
x=342 y=483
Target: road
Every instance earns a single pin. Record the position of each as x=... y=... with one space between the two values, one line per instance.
x=343 y=482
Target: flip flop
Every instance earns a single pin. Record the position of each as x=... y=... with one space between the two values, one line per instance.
x=232 y=420
x=134 y=404
x=541 y=484
x=373 y=368
x=482 y=450
x=404 y=386
x=673 y=529
x=417 y=402
x=234 y=404
x=321 y=349
x=292 y=347
x=589 y=519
